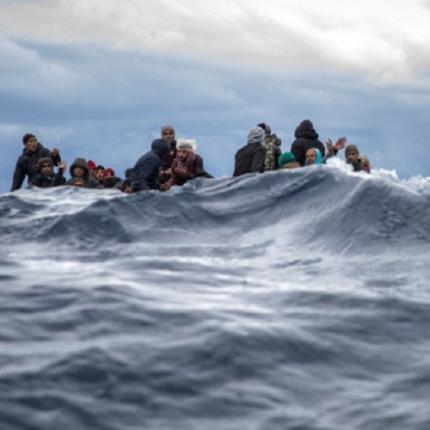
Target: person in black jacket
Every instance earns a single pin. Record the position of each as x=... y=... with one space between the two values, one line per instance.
x=46 y=177
x=251 y=157
x=306 y=138
x=145 y=172
x=27 y=163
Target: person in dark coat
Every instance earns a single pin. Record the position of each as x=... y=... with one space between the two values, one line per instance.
x=251 y=157
x=27 y=163
x=46 y=177
x=169 y=135
x=146 y=169
x=306 y=138
x=79 y=169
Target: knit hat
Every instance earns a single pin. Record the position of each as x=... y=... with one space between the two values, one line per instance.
x=256 y=135
x=108 y=172
x=45 y=160
x=167 y=127
x=285 y=158
x=27 y=137
x=91 y=165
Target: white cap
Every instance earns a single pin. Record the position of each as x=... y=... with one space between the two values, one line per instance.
x=186 y=144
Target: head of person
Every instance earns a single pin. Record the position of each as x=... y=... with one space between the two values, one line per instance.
x=100 y=171
x=92 y=168
x=109 y=173
x=126 y=186
x=352 y=154
x=256 y=135
x=79 y=169
x=30 y=142
x=313 y=156
x=45 y=166
x=265 y=127
x=287 y=161
x=160 y=146
x=128 y=173
x=183 y=152
x=78 y=182
x=168 y=134
x=306 y=130
x=365 y=163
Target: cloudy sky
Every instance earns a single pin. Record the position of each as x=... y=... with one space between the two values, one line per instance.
x=98 y=78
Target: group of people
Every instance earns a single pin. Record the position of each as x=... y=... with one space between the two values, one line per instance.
x=172 y=162
x=263 y=151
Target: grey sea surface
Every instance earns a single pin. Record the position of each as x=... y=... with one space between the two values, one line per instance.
x=288 y=300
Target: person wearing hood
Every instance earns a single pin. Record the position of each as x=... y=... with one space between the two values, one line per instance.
x=28 y=163
x=314 y=156
x=352 y=157
x=79 y=169
x=46 y=177
x=251 y=157
x=306 y=138
x=272 y=143
x=145 y=172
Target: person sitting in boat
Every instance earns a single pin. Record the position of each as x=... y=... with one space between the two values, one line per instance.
x=145 y=172
x=314 y=157
x=288 y=161
x=46 y=177
x=79 y=169
x=352 y=157
x=365 y=163
x=251 y=157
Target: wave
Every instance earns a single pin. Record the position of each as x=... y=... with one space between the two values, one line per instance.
x=323 y=206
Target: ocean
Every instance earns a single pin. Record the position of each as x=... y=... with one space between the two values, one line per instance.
x=290 y=300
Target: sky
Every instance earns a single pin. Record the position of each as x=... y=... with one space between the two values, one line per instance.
x=98 y=78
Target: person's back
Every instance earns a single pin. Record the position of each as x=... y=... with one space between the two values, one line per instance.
x=306 y=138
x=251 y=157
x=272 y=144
x=145 y=172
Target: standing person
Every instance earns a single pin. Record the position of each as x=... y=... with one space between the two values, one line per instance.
x=79 y=169
x=272 y=143
x=306 y=138
x=169 y=135
x=146 y=170
x=46 y=177
x=250 y=158
x=27 y=163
